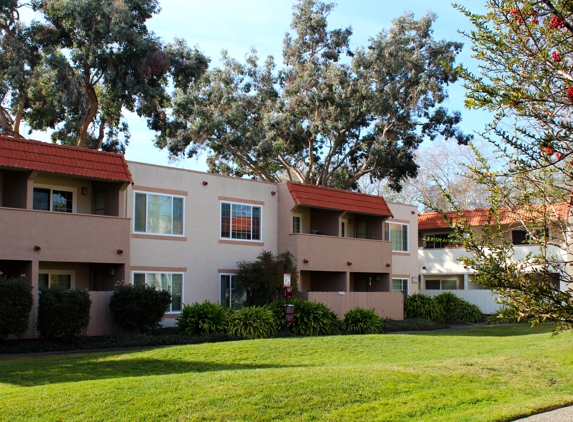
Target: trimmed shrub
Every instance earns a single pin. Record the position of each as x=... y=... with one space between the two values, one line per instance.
x=16 y=302
x=253 y=322
x=458 y=309
x=310 y=318
x=63 y=314
x=362 y=321
x=203 y=318
x=423 y=306
x=506 y=315
x=139 y=308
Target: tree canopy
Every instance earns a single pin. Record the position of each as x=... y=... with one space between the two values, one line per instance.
x=331 y=115
x=525 y=52
x=82 y=63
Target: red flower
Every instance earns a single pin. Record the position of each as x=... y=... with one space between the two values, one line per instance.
x=534 y=21
x=556 y=22
x=514 y=12
x=520 y=20
x=556 y=56
x=546 y=150
x=570 y=93
x=558 y=155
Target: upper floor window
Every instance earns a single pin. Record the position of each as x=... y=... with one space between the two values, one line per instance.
x=48 y=199
x=240 y=221
x=172 y=282
x=296 y=225
x=158 y=214
x=523 y=237
x=397 y=233
x=434 y=241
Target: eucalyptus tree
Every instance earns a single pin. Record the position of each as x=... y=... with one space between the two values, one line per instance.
x=330 y=115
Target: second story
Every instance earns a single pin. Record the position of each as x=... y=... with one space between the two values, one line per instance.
x=70 y=196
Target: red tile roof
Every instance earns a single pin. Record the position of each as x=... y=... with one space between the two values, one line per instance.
x=338 y=199
x=479 y=217
x=42 y=156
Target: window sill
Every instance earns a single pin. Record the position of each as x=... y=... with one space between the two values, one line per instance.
x=158 y=237
x=241 y=242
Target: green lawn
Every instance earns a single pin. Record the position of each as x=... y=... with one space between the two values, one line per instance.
x=485 y=374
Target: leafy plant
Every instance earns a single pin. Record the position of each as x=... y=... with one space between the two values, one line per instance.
x=310 y=318
x=63 y=314
x=506 y=315
x=139 y=308
x=423 y=306
x=253 y=322
x=15 y=306
x=362 y=321
x=203 y=318
x=458 y=309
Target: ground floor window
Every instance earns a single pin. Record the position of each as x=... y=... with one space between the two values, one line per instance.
x=447 y=284
x=172 y=282
x=231 y=296
x=56 y=279
x=400 y=285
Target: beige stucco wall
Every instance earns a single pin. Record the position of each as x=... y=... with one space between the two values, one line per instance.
x=405 y=264
x=200 y=254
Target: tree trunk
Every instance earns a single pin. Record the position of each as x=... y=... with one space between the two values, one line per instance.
x=90 y=115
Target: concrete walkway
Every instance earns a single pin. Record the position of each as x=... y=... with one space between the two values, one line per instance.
x=564 y=414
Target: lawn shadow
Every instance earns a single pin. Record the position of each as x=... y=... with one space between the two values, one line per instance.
x=30 y=373
x=509 y=330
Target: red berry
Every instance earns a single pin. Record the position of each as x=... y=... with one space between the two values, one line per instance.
x=546 y=150
x=556 y=22
x=534 y=21
x=514 y=12
x=520 y=20
x=570 y=93
x=556 y=56
x=558 y=155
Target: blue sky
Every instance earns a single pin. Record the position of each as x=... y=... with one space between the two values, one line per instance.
x=237 y=26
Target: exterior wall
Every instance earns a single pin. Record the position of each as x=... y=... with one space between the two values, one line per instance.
x=386 y=305
x=405 y=264
x=200 y=254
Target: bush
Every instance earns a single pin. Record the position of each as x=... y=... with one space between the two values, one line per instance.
x=16 y=302
x=310 y=318
x=506 y=315
x=139 y=308
x=423 y=306
x=458 y=309
x=63 y=314
x=253 y=322
x=203 y=318
x=362 y=321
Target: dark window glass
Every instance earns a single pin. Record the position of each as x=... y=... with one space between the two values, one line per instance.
x=225 y=220
x=41 y=199
x=140 y=207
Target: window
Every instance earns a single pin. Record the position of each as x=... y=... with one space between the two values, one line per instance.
x=344 y=228
x=48 y=199
x=442 y=284
x=397 y=233
x=172 y=282
x=296 y=223
x=56 y=279
x=400 y=285
x=158 y=214
x=435 y=241
x=522 y=237
x=240 y=221
x=361 y=229
x=231 y=296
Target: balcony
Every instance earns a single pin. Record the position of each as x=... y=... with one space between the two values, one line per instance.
x=63 y=236
x=333 y=253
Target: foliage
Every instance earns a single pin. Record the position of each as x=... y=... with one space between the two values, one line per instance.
x=262 y=280
x=411 y=324
x=63 y=314
x=458 y=309
x=362 y=321
x=331 y=115
x=84 y=62
x=423 y=306
x=203 y=318
x=310 y=318
x=16 y=302
x=506 y=315
x=252 y=322
x=140 y=307
x=524 y=48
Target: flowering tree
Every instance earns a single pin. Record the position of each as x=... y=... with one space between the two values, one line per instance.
x=525 y=50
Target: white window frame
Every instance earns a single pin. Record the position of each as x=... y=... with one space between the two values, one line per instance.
x=403 y=280
x=299 y=216
x=441 y=280
x=231 y=276
x=71 y=273
x=344 y=223
x=170 y=311
x=387 y=234
x=52 y=188
x=135 y=193
x=231 y=203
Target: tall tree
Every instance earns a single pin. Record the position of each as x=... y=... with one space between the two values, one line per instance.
x=96 y=59
x=331 y=115
x=525 y=51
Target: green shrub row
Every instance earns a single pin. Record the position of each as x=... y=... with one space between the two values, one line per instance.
x=15 y=306
x=63 y=314
x=311 y=319
x=506 y=315
x=445 y=306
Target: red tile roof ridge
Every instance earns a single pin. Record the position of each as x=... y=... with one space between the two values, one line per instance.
x=336 y=190
x=53 y=145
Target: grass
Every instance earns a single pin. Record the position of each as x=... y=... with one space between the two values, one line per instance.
x=486 y=374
